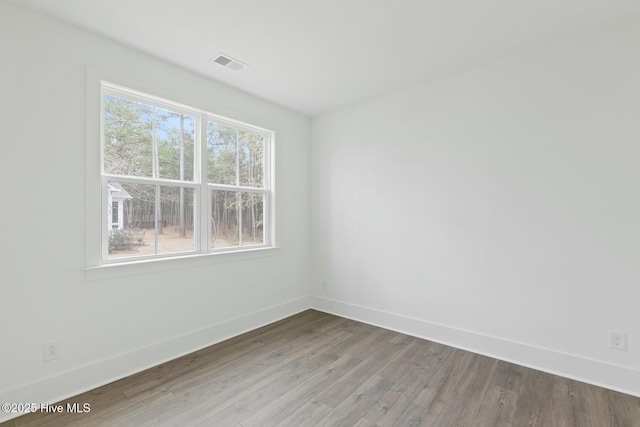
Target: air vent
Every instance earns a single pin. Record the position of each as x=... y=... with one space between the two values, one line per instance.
x=229 y=62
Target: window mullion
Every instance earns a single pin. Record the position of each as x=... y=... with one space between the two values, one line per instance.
x=267 y=173
x=104 y=227
x=151 y=181
x=237 y=188
x=205 y=193
x=154 y=164
x=237 y=157
x=157 y=218
x=239 y=201
x=238 y=194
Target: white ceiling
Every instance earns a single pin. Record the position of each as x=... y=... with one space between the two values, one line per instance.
x=314 y=56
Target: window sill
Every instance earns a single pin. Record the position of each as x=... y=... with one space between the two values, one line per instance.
x=154 y=265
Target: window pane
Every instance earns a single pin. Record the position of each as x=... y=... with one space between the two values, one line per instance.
x=175 y=227
x=132 y=220
x=237 y=219
x=250 y=158
x=175 y=134
x=252 y=219
x=221 y=154
x=128 y=141
x=131 y=231
x=225 y=219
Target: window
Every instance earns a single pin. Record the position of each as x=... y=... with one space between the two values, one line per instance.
x=177 y=180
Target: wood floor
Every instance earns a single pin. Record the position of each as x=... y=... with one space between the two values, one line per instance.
x=318 y=369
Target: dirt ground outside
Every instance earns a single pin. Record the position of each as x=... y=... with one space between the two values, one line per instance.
x=170 y=242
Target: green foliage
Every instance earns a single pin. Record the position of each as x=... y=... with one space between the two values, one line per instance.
x=128 y=128
x=234 y=156
x=175 y=140
x=124 y=240
x=141 y=140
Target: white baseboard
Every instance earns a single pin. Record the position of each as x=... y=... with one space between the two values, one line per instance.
x=81 y=379
x=599 y=373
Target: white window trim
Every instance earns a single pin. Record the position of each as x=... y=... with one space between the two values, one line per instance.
x=97 y=266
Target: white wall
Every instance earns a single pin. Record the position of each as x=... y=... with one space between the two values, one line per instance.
x=111 y=327
x=496 y=210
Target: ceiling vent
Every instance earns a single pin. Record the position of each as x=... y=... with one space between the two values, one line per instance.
x=229 y=62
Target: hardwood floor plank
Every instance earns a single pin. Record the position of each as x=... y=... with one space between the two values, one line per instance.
x=563 y=408
x=291 y=376
x=498 y=406
x=317 y=369
x=356 y=405
x=268 y=383
x=461 y=408
x=534 y=407
x=414 y=379
x=409 y=354
x=350 y=382
x=361 y=340
x=416 y=415
x=387 y=411
x=300 y=346
x=625 y=409
x=363 y=422
x=309 y=414
x=593 y=406
x=288 y=403
x=508 y=376
x=441 y=386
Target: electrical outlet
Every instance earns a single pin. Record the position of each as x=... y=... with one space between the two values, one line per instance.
x=619 y=341
x=324 y=285
x=51 y=351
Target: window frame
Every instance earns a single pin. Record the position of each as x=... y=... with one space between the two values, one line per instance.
x=202 y=189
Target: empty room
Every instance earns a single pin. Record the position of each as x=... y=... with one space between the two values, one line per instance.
x=320 y=213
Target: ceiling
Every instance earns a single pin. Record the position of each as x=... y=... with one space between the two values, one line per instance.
x=314 y=56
